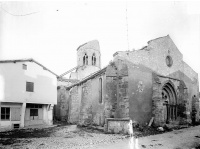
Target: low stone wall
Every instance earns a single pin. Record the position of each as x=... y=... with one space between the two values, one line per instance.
x=119 y=125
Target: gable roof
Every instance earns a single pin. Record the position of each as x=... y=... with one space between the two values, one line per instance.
x=27 y=60
x=91 y=76
x=94 y=44
x=68 y=80
x=157 y=38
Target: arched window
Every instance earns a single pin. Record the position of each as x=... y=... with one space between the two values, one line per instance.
x=85 y=59
x=100 y=90
x=93 y=59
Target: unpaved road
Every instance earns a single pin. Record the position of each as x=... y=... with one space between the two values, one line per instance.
x=71 y=137
x=62 y=137
x=188 y=138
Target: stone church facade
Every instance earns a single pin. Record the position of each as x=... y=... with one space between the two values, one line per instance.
x=153 y=82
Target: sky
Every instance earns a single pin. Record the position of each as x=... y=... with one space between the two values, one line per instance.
x=50 y=32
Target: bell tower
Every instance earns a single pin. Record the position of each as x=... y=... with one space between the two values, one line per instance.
x=88 y=59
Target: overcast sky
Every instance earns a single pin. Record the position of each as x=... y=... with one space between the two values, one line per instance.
x=50 y=32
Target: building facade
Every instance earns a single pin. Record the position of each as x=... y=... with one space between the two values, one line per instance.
x=28 y=92
x=88 y=62
x=152 y=82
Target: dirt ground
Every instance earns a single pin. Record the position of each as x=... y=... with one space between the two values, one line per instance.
x=187 y=138
x=73 y=137
x=61 y=136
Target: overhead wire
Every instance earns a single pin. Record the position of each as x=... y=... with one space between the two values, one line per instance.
x=17 y=15
x=127 y=26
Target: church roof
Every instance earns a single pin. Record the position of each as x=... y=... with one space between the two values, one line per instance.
x=94 y=44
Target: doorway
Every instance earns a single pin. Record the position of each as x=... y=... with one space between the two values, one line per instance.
x=170 y=102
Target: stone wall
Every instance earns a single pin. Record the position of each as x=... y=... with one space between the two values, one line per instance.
x=61 y=110
x=74 y=105
x=183 y=106
x=123 y=100
x=111 y=98
x=85 y=106
x=119 y=125
x=117 y=100
x=154 y=56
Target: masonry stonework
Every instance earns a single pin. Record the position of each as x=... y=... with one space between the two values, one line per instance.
x=74 y=108
x=137 y=85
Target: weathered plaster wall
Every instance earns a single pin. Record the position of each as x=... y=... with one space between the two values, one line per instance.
x=182 y=100
x=85 y=108
x=45 y=83
x=192 y=89
x=44 y=116
x=64 y=83
x=61 y=110
x=74 y=104
x=111 y=97
x=88 y=48
x=117 y=98
x=16 y=116
x=140 y=93
x=115 y=125
x=7 y=124
x=86 y=70
x=154 y=55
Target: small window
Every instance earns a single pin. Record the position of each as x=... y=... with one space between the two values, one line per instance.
x=33 y=112
x=5 y=113
x=93 y=59
x=100 y=90
x=15 y=125
x=29 y=86
x=85 y=59
x=24 y=66
x=169 y=61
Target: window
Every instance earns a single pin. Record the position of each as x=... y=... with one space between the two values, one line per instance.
x=5 y=113
x=93 y=59
x=169 y=61
x=24 y=66
x=33 y=112
x=100 y=90
x=85 y=59
x=29 y=86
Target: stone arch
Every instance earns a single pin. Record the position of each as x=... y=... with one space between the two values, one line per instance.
x=85 y=59
x=169 y=98
x=93 y=59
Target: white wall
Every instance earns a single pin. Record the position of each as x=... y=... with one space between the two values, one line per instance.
x=7 y=124
x=13 y=83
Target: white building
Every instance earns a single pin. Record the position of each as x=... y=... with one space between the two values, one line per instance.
x=28 y=92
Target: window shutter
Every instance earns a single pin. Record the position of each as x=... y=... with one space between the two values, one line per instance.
x=40 y=114
x=15 y=114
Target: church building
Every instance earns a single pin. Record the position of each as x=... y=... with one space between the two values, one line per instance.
x=150 y=83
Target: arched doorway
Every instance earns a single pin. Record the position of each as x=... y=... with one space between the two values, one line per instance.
x=170 y=102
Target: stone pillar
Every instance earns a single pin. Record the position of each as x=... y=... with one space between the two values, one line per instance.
x=23 y=110
x=157 y=103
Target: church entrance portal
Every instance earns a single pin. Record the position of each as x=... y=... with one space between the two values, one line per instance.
x=170 y=102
